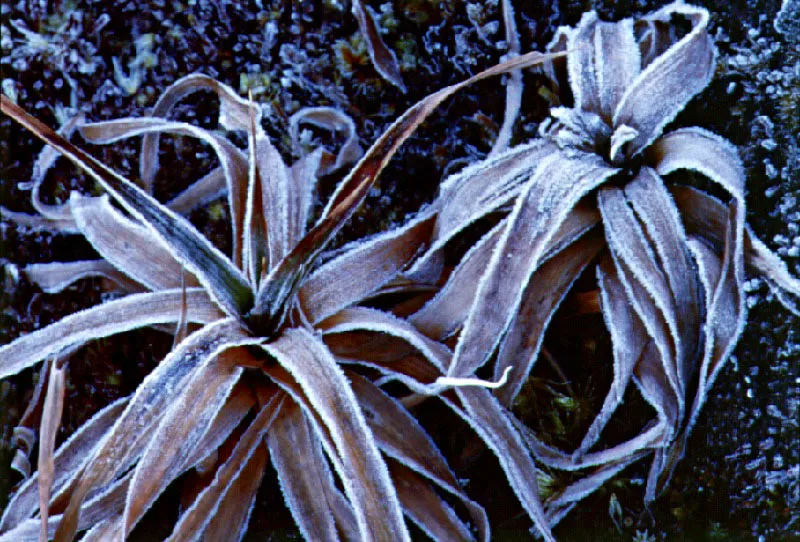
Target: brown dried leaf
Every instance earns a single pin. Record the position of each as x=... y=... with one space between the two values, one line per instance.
x=383 y=58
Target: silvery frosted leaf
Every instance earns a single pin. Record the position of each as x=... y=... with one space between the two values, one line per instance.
x=362 y=269
x=303 y=473
x=644 y=281
x=383 y=58
x=664 y=87
x=520 y=348
x=68 y=462
x=234 y=115
x=196 y=518
x=705 y=217
x=128 y=246
x=425 y=508
x=230 y=518
x=446 y=312
x=304 y=180
x=38 y=222
x=118 y=316
x=55 y=277
x=491 y=422
x=284 y=279
x=401 y=437
x=659 y=216
x=106 y=505
x=274 y=180
x=102 y=531
x=701 y=151
x=725 y=320
x=199 y=399
x=475 y=192
x=222 y=279
x=331 y=119
x=628 y=339
x=555 y=188
x=131 y=433
x=368 y=335
x=233 y=162
x=363 y=472
x=514 y=85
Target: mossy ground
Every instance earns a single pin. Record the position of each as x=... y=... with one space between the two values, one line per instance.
x=740 y=475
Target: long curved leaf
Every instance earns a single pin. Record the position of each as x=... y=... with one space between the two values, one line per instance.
x=118 y=316
x=365 y=478
x=224 y=281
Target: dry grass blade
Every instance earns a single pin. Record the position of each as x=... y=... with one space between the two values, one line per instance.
x=68 y=462
x=51 y=420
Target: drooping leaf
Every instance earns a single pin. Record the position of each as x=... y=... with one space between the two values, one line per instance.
x=628 y=339
x=51 y=420
x=118 y=316
x=331 y=119
x=664 y=87
x=223 y=281
x=401 y=437
x=55 y=277
x=554 y=190
x=234 y=114
x=541 y=298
